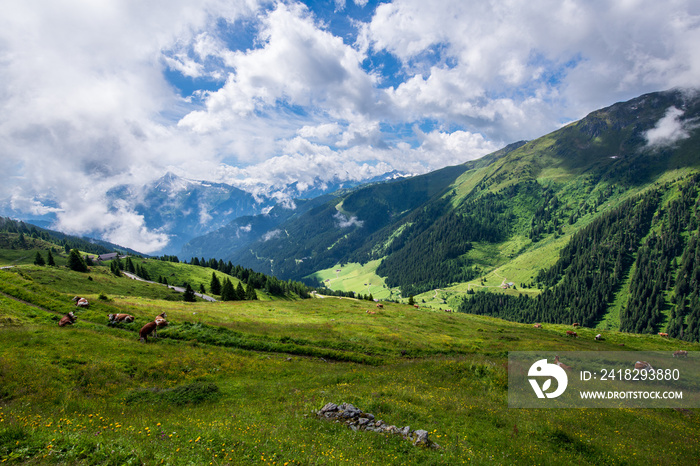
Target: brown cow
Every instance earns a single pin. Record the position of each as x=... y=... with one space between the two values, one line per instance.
x=571 y=333
x=68 y=319
x=576 y=324
x=126 y=318
x=663 y=334
x=643 y=366
x=380 y=306
x=80 y=302
x=146 y=330
x=680 y=354
x=160 y=322
x=562 y=365
x=537 y=325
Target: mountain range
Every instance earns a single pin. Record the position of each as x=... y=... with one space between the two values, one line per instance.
x=596 y=223
x=509 y=220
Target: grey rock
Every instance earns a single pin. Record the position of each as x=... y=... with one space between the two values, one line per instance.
x=406 y=431
x=329 y=407
x=420 y=437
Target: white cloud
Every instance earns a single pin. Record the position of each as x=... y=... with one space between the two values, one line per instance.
x=298 y=64
x=345 y=222
x=88 y=100
x=668 y=130
x=513 y=70
x=271 y=235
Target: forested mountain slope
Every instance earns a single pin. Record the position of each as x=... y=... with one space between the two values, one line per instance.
x=587 y=213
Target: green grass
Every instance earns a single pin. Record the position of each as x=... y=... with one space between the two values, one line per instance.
x=356 y=277
x=239 y=382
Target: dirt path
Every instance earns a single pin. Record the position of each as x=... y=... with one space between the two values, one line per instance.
x=176 y=288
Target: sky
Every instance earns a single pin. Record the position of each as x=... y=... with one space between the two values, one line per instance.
x=259 y=94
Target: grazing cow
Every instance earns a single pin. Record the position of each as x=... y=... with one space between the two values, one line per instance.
x=126 y=318
x=537 y=325
x=380 y=306
x=576 y=324
x=680 y=354
x=416 y=306
x=571 y=333
x=371 y=312
x=599 y=337
x=643 y=366
x=160 y=322
x=68 y=319
x=80 y=302
x=663 y=334
x=147 y=330
x=562 y=365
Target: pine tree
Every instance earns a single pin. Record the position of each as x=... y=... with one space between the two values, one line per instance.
x=201 y=288
x=411 y=301
x=215 y=284
x=114 y=269
x=76 y=262
x=129 y=265
x=240 y=292
x=49 y=259
x=188 y=295
x=250 y=293
x=228 y=293
x=39 y=260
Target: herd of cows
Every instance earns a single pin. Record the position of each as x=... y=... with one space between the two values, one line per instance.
x=160 y=321
x=147 y=330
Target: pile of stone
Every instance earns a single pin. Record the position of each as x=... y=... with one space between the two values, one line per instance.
x=355 y=419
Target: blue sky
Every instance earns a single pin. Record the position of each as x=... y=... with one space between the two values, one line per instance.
x=261 y=94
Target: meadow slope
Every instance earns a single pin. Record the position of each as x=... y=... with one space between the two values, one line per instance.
x=239 y=383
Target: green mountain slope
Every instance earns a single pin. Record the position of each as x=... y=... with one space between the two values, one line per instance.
x=505 y=220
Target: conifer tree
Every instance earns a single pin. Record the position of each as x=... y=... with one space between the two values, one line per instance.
x=129 y=265
x=114 y=269
x=188 y=295
x=240 y=292
x=39 y=260
x=49 y=259
x=228 y=293
x=250 y=293
x=215 y=284
x=76 y=262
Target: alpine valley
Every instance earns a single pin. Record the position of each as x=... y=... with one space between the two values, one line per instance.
x=595 y=223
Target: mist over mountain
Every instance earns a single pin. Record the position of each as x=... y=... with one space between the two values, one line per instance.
x=182 y=209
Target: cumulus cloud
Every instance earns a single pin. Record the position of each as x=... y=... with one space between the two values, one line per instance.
x=264 y=94
x=668 y=130
x=272 y=234
x=514 y=69
x=345 y=222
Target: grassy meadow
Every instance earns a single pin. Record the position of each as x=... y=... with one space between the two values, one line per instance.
x=239 y=383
